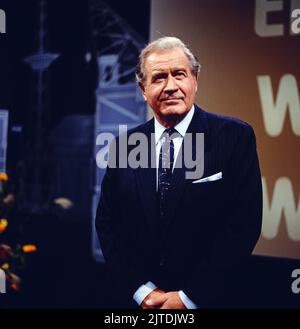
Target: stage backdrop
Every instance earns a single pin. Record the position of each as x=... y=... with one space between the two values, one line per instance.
x=251 y=70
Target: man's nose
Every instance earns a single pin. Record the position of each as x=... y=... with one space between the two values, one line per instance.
x=171 y=85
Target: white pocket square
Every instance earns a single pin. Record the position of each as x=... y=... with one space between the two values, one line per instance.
x=211 y=178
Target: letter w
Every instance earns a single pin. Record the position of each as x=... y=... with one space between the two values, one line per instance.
x=283 y=202
x=274 y=112
x=182 y=318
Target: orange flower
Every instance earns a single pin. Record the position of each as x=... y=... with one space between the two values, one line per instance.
x=3 y=225
x=27 y=248
x=5 y=266
x=3 y=177
x=64 y=203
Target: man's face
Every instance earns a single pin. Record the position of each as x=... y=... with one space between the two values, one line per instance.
x=170 y=87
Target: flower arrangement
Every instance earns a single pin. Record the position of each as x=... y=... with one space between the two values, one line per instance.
x=12 y=253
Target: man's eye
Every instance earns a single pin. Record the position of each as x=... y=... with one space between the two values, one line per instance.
x=158 y=78
x=180 y=74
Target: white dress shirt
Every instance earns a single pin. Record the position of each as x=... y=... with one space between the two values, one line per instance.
x=144 y=290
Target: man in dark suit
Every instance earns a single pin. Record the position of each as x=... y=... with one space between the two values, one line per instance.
x=175 y=242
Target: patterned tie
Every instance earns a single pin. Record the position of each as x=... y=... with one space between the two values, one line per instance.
x=166 y=161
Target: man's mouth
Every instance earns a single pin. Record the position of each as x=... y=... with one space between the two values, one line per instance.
x=171 y=101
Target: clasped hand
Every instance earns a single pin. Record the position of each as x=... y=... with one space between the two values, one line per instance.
x=159 y=299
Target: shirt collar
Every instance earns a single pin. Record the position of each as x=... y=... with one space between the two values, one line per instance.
x=181 y=127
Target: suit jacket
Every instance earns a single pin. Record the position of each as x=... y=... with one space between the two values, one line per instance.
x=210 y=228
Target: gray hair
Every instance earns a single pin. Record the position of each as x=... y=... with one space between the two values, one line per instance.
x=162 y=44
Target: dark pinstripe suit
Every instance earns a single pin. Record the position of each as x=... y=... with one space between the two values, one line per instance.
x=211 y=228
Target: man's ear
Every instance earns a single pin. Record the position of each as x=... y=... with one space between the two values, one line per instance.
x=197 y=80
x=142 y=87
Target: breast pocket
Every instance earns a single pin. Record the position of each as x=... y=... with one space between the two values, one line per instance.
x=210 y=191
x=205 y=204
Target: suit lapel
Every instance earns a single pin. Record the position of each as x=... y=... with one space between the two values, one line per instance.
x=179 y=182
x=146 y=182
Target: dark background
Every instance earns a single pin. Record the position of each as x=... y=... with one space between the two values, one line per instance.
x=63 y=272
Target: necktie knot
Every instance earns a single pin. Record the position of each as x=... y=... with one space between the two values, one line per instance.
x=171 y=132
